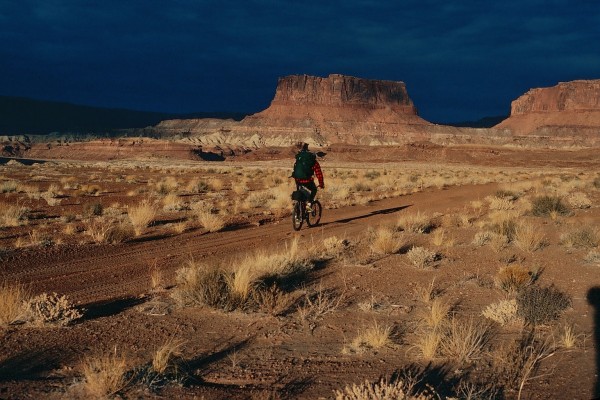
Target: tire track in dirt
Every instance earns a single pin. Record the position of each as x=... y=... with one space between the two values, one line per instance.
x=107 y=272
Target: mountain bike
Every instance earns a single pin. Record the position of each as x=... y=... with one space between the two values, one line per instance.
x=300 y=212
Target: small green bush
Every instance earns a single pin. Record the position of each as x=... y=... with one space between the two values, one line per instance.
x=540 y=305
x=544 y=206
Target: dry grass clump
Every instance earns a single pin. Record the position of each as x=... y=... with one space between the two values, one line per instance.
x=427 y=343
x=567 y=337
x=236 y=286
x=503 y=223
x=371 y=337
x=317 y=303
x=383 y=390
x=13 y=299
x=52 y=309
x=12 y=215
x=515 y=363
x=501 y=202
x=502 y=312
x=334 y=246
x=385 y=241
x=592 y=257
x=421 y=257
x=463 y=341
x=546 y=206
x=427 y=293
x=586 y=236
x=528 y=237
x=437 y=313
x=540 y=305
x=165 y=357
x=141 y=215
x=212 y=222
x=104 y=375
x=200 y=284
x=415 y=223
x=106 y=231
x=579 y=200
x=514 y=278
x=166 y=185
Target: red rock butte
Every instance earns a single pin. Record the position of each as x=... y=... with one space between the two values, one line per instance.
x=345 y=109
x=573 y=106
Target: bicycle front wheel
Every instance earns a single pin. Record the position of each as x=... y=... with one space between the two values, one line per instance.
x=314 y=216
x=297 y=215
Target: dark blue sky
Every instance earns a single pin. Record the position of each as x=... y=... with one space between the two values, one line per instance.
x=460 y=60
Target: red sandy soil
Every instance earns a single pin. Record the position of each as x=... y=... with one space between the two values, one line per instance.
x=239 y=355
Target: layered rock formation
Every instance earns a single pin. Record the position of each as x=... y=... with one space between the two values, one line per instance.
x=569 y=109
x=344 y=109
x=319 y=111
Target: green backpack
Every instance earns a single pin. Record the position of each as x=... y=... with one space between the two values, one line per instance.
x=303 y=166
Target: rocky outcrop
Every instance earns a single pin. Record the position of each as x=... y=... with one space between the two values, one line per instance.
x=342 y=91
x=345 y=109
x=569 y=109
x=319 y=111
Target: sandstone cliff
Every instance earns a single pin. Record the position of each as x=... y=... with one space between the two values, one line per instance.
x=567 y=109
x=319 y=111
x=344 y=109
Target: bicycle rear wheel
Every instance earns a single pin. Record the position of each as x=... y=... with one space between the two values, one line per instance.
x=314 y=216
x=297 y=217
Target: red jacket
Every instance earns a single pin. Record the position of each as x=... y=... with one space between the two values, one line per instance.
x=318 y=173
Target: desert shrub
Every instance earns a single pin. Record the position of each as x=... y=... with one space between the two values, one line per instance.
x=540 y=305
x=119 y=233
x=9 y=187
x=592 y=257
x=579 y=200
x=528 y=238
x=415 y=223
x=165 y=357
x=545 y=206
x=141 y=215
x=508 y=194
x=52 y=309
x=502 y=312
x=385 y=241
x=13 y=298
x=505 y=225
x=515 y=362
x=437 y=313
x=334 y=246
x=421 y=257
x=585 y=236
x=513 y=278
x=272 y=300
x=104 y=375
x=12 y=215
x=501 y=203
x=427 y=343
x=395 y=389
x=371 y=337
x=463 y=341
x=212 y=222
x=200 y=284
x=482 y=238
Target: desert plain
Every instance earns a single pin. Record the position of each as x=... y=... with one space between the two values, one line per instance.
x=449 y=263
x=433 y=275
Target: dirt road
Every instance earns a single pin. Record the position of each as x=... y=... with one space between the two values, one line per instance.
x=90 y=274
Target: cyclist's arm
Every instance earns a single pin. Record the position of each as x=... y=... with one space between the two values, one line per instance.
x=319 y=174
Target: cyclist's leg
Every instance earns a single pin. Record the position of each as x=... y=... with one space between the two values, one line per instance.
x=313 y=190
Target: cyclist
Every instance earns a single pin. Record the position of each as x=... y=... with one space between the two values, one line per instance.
x=305 y=167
